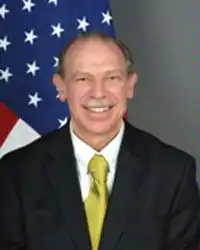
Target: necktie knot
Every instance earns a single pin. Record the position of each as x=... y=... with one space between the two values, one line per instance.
x=98 y=168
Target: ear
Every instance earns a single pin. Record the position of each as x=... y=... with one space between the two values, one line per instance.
x=131 y=82
x=60 y=87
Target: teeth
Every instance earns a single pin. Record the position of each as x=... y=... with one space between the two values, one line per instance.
x=98 y=110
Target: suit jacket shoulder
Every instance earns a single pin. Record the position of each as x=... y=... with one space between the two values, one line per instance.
x=32 y=155
x=146 y=144
x=165 y=164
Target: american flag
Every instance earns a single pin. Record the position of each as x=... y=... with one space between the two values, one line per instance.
x=32 y=33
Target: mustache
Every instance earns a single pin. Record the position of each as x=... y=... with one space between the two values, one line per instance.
x=99 y=103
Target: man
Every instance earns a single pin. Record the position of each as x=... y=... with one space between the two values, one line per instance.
x=98 y=183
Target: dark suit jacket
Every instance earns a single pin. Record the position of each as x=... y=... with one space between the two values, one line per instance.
x=153 y=205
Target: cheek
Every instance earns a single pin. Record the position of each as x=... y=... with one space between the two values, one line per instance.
x=77 y=94
x=119 y=92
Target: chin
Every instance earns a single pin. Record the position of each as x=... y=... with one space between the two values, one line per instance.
x=100 y=127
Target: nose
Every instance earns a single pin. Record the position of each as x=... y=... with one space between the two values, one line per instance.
x=98 y=89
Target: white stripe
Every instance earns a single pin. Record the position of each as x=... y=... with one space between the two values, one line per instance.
x=21 y=135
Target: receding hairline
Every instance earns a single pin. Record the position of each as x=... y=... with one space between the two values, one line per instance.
x=98 y=37
x=82 y=41
x=79 y=45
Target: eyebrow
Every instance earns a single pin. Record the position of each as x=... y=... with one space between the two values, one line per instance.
x=115 y=71
x=86 y=73
x=79 y=73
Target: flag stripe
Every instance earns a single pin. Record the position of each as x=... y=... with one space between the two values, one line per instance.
x=8 y=121
x=20 y=135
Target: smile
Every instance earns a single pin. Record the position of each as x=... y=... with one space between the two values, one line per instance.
x=99 y=110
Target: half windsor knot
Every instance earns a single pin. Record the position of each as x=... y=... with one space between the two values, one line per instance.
x=98 y=168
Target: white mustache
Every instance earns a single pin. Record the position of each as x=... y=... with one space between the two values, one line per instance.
x=99 y=104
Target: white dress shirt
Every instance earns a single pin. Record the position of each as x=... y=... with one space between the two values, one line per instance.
x=83 y=153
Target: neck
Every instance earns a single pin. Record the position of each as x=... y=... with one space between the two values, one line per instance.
x=97 y=141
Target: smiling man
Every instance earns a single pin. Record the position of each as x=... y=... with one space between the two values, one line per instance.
x=95 y=82
x=99 y=182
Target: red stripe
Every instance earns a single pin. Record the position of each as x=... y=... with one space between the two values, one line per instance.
x=7 y=121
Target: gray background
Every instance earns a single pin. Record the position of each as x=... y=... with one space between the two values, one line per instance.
x=164 y=37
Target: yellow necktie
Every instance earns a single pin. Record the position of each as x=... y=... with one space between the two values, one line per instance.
x=96 y=202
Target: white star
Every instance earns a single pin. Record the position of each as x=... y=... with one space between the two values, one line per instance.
x=5 y=74
x=106 y=17
x=62 y=122
x=4 y=43
x=82 y=24
x=30 y=36
x=32 y=68
x=57 y=30
x=3 y=11
x=28 y=5
x=56 y=62
x=53 y=1
x=34 y=99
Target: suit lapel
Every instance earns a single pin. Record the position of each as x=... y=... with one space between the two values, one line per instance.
x=60 y=168
x=129 y=175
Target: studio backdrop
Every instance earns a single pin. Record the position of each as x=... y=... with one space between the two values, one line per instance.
x=164 y=37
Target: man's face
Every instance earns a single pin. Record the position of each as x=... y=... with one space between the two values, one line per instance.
x=96 y=86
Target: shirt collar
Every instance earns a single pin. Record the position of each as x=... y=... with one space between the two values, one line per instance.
x=83 y=152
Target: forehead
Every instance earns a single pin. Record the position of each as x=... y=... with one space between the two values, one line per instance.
x=93 y=49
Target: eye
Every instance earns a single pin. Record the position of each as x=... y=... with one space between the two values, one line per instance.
x=81 y=79
x=114 y=77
